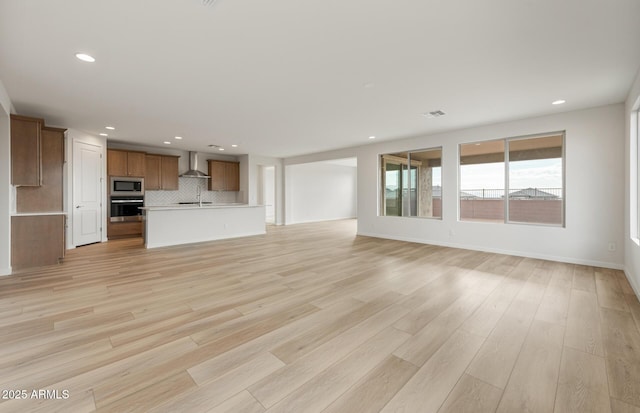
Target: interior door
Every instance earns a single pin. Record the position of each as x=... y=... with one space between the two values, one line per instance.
x=87 y=193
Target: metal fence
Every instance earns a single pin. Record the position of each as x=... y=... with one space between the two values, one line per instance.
x=523 y=193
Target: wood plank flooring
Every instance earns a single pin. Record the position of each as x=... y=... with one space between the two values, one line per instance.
x=312 y=318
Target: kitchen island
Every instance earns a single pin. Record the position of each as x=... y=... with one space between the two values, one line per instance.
x=184 y=224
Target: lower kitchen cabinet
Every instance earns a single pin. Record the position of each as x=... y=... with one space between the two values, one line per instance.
x=124 y=229
x=37 y=240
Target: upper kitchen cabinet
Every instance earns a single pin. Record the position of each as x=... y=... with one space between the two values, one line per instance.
x=169 y=173
x=161 y=172
x=225 y=175
x=48 y=196
x=125 y=163
x=26 y=151
x=152 y=172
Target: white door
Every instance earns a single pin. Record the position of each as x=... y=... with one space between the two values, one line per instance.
x=87 y=193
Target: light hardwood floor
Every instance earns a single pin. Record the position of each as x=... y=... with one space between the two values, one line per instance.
x=311 y=318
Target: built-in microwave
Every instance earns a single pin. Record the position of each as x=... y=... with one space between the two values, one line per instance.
x=127 y=186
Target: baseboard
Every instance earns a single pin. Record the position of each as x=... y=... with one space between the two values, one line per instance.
x=5 y=271
x=321 y=220
x=632 y=283
x=568 y=260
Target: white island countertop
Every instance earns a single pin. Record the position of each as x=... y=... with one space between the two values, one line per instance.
x=166 y=225
x=196 y=206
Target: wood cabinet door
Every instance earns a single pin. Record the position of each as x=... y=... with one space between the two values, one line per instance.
x=232 y=176
x=116 y=162
x=152 y=172
x=169 y=173
x=135 y=164
x=36 y=240
x=25 y=151
x=48 y=196
x=217 y=174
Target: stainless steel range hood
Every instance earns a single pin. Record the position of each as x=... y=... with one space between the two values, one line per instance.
x=193 y=171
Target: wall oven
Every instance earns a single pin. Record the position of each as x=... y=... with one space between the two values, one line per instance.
x=126 y=208
x=126 y=186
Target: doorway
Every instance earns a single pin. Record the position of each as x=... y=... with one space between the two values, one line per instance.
x=267 y=192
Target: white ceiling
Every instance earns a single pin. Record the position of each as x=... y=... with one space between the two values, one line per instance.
x=289 y=77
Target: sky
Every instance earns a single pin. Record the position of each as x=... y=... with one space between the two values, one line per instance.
x=542 y=173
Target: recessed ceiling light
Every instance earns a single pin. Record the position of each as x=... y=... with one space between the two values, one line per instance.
x=178 y=137
x=558 y=102
x=368 y=85
x=167 y=143
x=85 y=57
x=110 y=127
x=221 y=149
x=104 y=134
x=372 y=137
x=234 y=146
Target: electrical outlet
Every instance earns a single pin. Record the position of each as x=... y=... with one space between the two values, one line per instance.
x=612 y=246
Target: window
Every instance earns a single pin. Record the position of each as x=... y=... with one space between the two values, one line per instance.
x=482 y=181
x=526 y=172
x=412 y=184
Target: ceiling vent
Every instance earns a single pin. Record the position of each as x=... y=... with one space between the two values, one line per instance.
x=434 y=114
x=209 y=2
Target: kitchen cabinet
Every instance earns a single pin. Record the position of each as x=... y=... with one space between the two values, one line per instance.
x=125 y=163
x=37 y=162
x=225 y=175
x=124 y=229
x=169 y=173
x=48 y=196
x=161 y=173
x=152 y=172
x=26 y=151
x=37 y=240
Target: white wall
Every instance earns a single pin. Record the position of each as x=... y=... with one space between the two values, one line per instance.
x=320 y=191
x=594 y=193
x=72 y=137
x=250 y=181
x=5 y=182
x=631 y=247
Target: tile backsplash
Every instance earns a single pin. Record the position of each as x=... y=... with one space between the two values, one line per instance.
x=188 y=189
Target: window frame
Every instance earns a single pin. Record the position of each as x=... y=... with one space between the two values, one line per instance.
x=635 y=172
x=506 y=161
x=382 y=182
